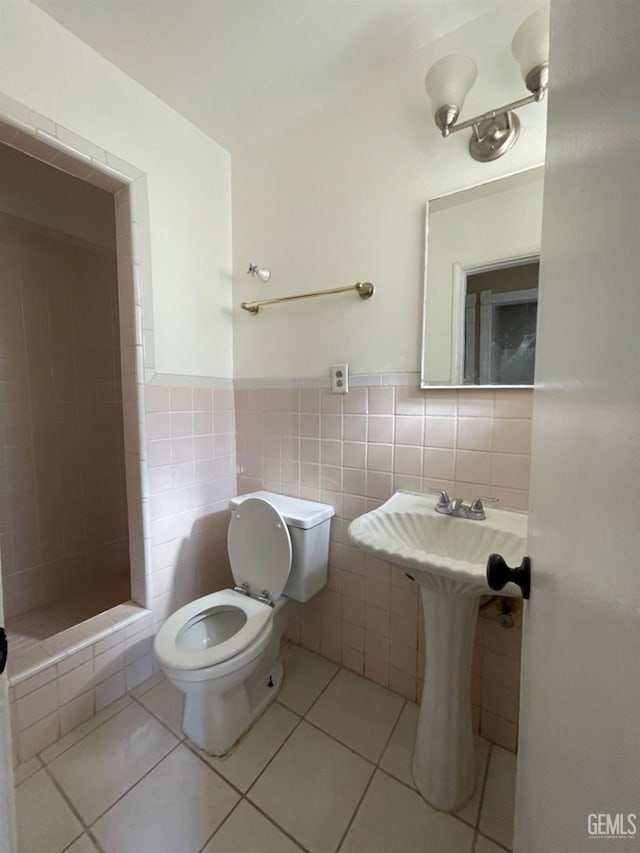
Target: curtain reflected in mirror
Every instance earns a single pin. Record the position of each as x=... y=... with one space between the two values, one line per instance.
x=500 y=324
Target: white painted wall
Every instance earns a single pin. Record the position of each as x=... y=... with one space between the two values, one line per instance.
x=52 y=72
x=579 y=749
x=340 y=198
x=471 y=229
x=41 y=194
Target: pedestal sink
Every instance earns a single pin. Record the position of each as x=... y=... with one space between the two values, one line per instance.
x=447 y=557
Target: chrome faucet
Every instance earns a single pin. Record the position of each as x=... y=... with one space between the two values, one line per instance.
x=457 y=507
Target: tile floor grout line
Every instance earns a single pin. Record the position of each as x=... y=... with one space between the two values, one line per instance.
x=69 y=802
x=91 y=731
x=395 y=725
x=135 y=784
x=391 y=733
x=339 y=742
x=456 y=816
x=426 y=802
x=356 y=810
x=35 y=757
x=89 y=826
x=272 y=820
x=304 y=719
x=342 y=668
x=324 y=689
x=301 y=719
x=95 y=841
x=149 y=689
x=278 y=750
x=180 y=738
x=71 y=843
x=376 y=767
x=493 y=841
x=484 y=786
x=194 y=750
x=482 y=783
x=433 y=809
x=220 y=825
x=472 y=826
x=245 y=795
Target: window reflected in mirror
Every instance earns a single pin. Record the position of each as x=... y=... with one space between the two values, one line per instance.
x=481 y=283
x=501 y=305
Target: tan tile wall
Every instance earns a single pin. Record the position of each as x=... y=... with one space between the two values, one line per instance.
x=192 y=474
x=63 y=513
x=354 y=452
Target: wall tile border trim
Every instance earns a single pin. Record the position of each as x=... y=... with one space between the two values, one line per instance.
x=180 y=380
x=356 y=380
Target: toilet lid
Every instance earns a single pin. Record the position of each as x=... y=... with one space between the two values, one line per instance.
x=259 y=547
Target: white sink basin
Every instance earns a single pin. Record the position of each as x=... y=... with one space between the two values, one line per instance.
x=447 y=556
x=444 y=552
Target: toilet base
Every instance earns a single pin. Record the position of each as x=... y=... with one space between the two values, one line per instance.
x=218 y=713
x=216 y=722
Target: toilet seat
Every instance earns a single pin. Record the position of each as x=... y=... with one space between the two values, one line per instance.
x=174 y=649
x=220 y=626
x=259 y=547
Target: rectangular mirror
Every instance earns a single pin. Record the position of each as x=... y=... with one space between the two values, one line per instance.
x=481 y=284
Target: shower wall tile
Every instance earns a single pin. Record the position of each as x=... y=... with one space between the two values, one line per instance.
x=63 y=514
x=354 y=452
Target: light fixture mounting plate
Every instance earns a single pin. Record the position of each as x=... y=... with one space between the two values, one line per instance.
x=494 y=136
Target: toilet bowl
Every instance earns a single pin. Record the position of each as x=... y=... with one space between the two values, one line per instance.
x=222 y=650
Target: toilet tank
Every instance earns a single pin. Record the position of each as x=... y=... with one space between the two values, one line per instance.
x=308 y=523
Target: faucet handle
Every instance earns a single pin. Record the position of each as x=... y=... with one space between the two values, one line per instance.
x=477 y=506
x=443 y=500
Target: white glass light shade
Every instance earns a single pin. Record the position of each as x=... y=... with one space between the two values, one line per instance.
x=449 y=81
x=530 y=45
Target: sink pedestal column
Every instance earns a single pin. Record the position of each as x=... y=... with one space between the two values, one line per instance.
x=443 y=763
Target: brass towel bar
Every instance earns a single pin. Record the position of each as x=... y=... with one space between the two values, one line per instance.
x=364 y=289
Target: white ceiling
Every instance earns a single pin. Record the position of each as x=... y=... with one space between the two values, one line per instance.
x=246 y=68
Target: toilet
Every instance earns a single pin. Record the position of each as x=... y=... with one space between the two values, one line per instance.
x=222 y=650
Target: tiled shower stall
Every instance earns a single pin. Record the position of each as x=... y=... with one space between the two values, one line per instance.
x=63 y=516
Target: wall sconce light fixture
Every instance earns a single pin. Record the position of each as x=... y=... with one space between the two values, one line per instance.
x=262 y=274
x=449 y=81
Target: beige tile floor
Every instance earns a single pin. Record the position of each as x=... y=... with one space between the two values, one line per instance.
x=326 y=768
